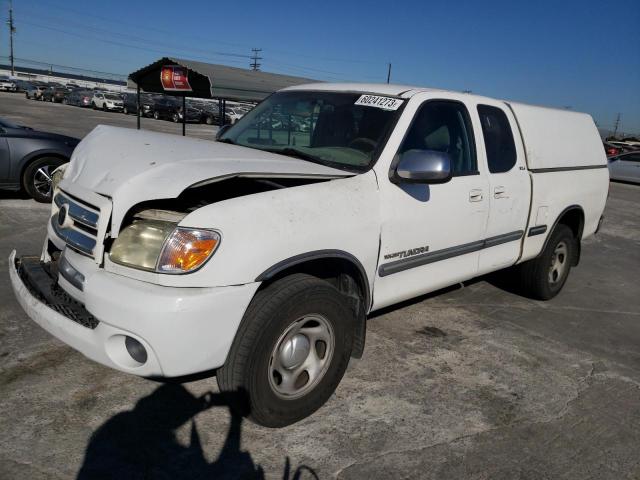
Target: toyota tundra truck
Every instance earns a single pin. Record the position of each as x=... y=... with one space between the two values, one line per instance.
x=260 y=255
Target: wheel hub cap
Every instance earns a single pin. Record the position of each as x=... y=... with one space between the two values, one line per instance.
x=301 y=356
x=294 y=351
x=559 y=262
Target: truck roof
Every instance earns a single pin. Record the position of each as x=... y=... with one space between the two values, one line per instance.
x=403 y=91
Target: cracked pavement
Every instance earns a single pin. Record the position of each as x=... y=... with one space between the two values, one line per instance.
x=473 y=382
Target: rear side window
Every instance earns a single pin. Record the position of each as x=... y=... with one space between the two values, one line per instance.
x=498 y=139
x=444 y=126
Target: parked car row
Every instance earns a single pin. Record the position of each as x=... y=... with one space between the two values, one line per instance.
x=160 y=107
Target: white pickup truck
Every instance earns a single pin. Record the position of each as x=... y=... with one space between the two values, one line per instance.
x=260 y=256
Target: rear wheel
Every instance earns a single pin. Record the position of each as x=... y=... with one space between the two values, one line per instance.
x=209 y=120
x=104 y=107
x=36 y=179
x=290 y=352
x=125 y=110
x=93 y=105
x=543 y=277
x=175 y=118
x=156 y=115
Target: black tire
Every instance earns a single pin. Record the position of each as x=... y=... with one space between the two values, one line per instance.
x=209 y=120
x=26 y=94
x=32 y=178
x=94 y=106
x=245 y=377
x=125 y=110
x=175 y=118
x=536 y=276
x=156 y=115
x=104 y=107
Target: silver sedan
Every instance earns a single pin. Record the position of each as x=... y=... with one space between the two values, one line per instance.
x=625 y=167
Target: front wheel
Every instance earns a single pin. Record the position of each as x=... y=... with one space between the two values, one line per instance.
x=290 y=352
x=543 y=277
x=36 y=179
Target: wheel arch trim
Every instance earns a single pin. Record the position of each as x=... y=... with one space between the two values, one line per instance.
x=561 y=215
x=320 y=255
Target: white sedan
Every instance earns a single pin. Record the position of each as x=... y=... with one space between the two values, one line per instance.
x=107 y=101
x=625 y=167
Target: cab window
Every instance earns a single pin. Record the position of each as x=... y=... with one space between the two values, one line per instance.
x=444 y=126
x=498 y=139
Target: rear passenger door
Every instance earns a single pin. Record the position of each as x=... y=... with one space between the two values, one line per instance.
x=509 y=185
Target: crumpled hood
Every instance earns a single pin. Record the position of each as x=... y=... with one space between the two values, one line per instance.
x=131 y=166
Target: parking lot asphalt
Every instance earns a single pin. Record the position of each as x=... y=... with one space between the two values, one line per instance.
x=77 y=121
x=471 y=382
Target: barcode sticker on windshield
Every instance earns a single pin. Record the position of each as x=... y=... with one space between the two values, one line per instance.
x=386 y=103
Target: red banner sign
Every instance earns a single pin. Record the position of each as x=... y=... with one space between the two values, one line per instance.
x=174 y=79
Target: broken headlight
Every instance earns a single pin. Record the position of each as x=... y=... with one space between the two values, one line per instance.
x=163 y=247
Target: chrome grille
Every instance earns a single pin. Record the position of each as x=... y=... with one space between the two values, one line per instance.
x=80 y=230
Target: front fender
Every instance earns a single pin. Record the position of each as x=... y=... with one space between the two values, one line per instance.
x=261 y=230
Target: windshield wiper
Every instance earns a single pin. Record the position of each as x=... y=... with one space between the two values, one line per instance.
x=293 y=152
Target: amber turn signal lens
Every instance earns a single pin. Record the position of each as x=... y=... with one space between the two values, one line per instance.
x=187 y=249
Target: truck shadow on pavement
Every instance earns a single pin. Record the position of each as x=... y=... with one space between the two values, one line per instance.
x=142 y=444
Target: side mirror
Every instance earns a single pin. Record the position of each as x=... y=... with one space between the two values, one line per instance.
x=222 y=130
x=422 y=166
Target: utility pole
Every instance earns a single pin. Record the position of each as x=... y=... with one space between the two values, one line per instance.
x=388 y=72
x=255 y=66
x=12 y=30
x=616 y=125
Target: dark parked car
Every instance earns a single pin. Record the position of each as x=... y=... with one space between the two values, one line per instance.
x=79 y=98
x=165 y=108
x=22 y=86
x=56 y=94
x=210 y=114
x=131 y=104
x=29 y=157
x=194 y=115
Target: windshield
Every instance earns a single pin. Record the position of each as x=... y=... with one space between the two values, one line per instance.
x=330 y=128
x=112 y=97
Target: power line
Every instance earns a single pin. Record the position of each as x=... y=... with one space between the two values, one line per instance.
x=121 y=44
x=255 y=66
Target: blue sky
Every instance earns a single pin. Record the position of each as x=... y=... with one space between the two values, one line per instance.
x=582 y=54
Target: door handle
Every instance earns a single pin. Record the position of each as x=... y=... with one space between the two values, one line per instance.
x=499 y=192
x=475 y=195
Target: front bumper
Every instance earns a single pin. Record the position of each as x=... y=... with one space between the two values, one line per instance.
x=183 y=330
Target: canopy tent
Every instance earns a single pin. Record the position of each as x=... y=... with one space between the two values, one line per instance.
x=188 y=78
x=208 y=80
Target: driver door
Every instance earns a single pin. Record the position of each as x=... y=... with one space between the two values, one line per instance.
x=431 y=233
